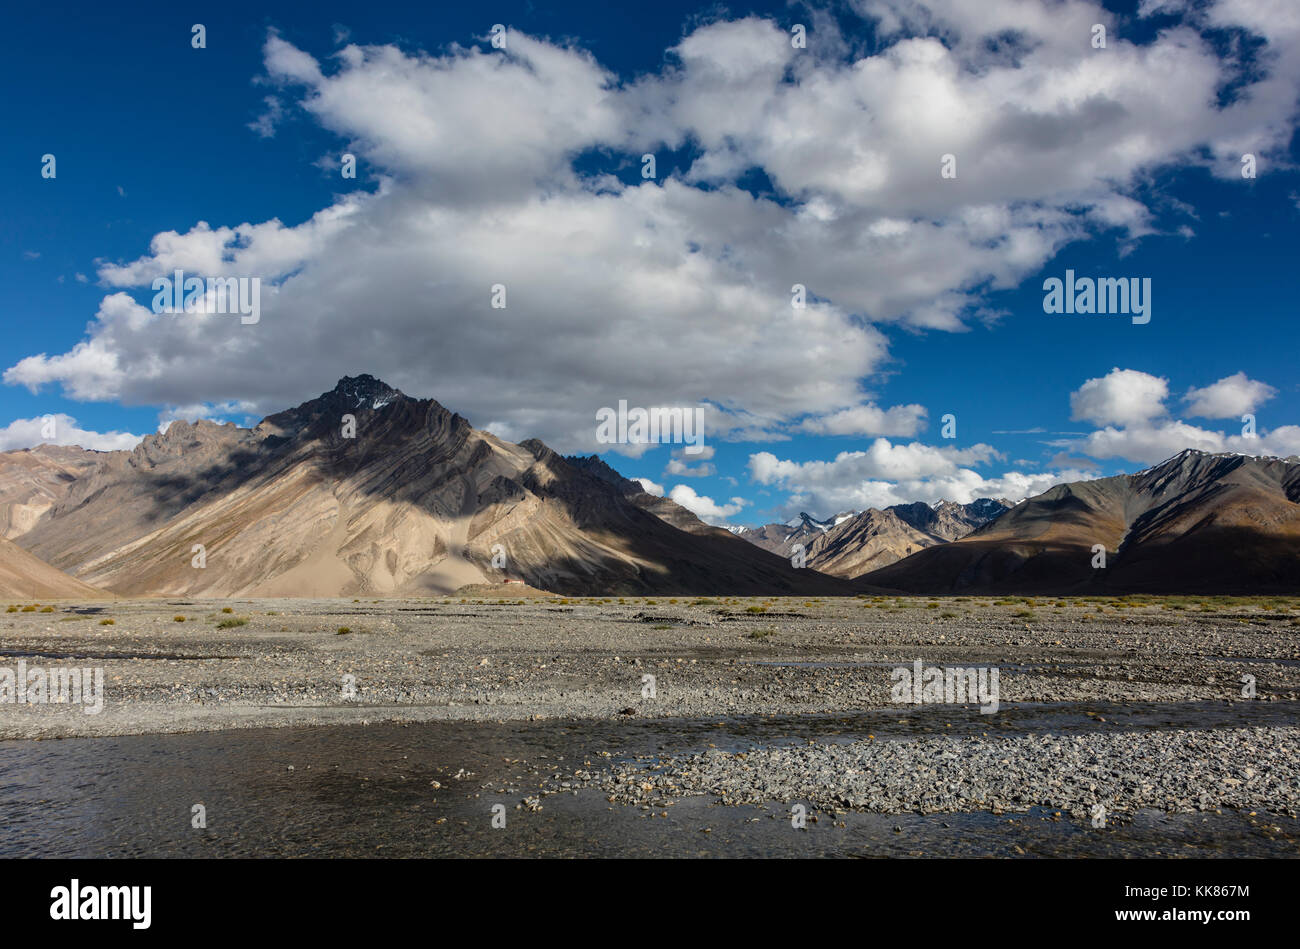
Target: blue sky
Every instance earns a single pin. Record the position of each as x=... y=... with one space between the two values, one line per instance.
x=775 y=166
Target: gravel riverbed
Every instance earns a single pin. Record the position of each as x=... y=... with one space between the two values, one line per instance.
x=1099 y=776
x=1165 y=704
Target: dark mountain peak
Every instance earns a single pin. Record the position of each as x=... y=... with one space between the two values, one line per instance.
x=353 y=395
x=989 y=507
x=1189 y=468
x=813 y=523
x=364 y=390
x=917 y=513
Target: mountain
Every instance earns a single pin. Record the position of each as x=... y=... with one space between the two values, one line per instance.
x=33 y=479
x=948 y=520
x=417 y=502
x=663 y=508
x=1196 y=523
x=24 y=577
x=596 y=466
x=846 y=545
x=864 y=542
x=781 y=539
x=851 y=544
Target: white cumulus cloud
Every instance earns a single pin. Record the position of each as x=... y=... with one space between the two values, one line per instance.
x=1230 y=397
x=676 y=291
x=650 y=487
x=705 y=508
x=61 y=429
x=1121 y=397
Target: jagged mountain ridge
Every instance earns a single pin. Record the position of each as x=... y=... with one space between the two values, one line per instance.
x=949 y=520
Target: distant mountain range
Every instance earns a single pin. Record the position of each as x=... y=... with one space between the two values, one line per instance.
x=417 y=501
x=1195 y=523
x=855 y=543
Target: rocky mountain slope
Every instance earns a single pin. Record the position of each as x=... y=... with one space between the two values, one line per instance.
x=417 y=502
x=864 y=542
x=33 y=479
x=663 y=508
x=26 y=578
x=781 y=539
x=948 y=520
